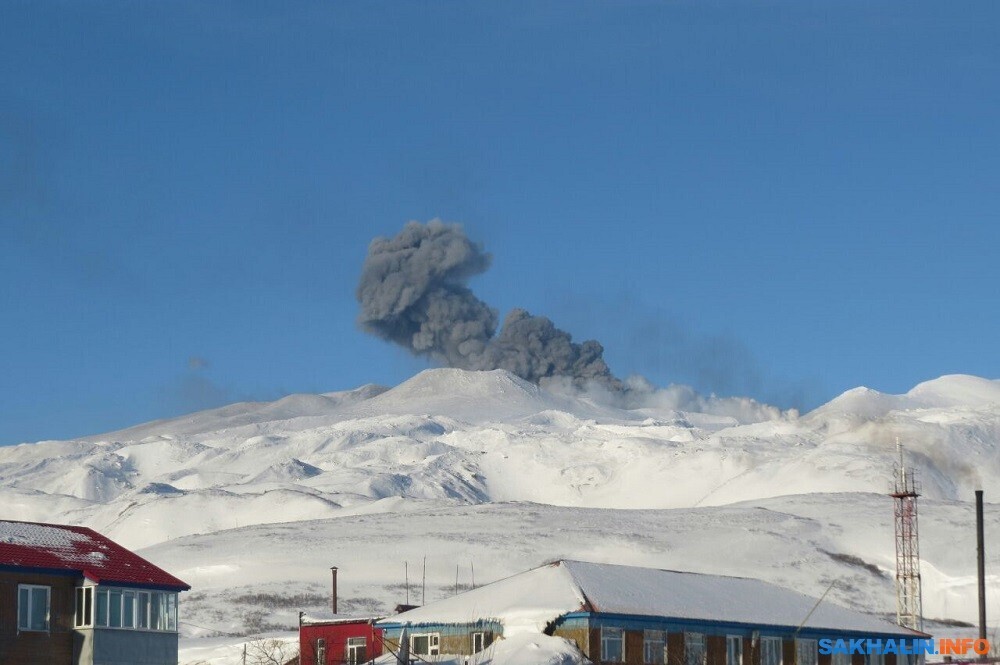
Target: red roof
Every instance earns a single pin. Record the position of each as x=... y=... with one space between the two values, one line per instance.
x=57 y=547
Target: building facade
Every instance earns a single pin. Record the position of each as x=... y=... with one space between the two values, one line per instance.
x=70 y=596
x=642 y=616
x=644 y=640
x=330 y=639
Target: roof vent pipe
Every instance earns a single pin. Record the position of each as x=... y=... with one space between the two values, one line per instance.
x=333 y=593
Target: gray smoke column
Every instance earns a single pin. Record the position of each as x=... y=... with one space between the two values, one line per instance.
x=413 y=292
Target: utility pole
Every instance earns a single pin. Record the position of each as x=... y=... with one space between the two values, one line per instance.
x=981 y=561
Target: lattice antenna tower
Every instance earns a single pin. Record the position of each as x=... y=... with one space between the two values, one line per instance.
x=905 y=490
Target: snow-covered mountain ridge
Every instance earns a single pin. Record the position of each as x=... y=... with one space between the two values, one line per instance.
x=473 y=437
x=452 y=440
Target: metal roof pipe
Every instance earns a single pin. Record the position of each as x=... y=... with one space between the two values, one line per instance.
x=981 y=560
x=333 y=593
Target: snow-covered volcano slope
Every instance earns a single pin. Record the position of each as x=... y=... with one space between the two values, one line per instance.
x=474 y=437
x=455 y=438
x=807 y=543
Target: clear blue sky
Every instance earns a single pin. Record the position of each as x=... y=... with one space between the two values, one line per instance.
x=780 y=199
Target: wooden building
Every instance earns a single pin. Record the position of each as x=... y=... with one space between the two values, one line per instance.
x=332 y=639
x=70 y=596
x=644 y=616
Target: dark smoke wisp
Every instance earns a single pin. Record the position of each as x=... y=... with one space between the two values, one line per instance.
x=413 y=292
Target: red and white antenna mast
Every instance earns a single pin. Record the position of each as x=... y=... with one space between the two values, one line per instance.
x=905 y=490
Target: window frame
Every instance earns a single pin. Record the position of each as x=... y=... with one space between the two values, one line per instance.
x=840 y=658
x=30 y=589
x=115 y=609
x=83 y=608
x=350 y=650
x=690 y=639
x=779 y=651
x=130 y=617
x=479 y=636
x=433 y=644
x=143 y=603
x=612 y=634
x=159 y=615
x=738 y=641
x=801 y=646
x=652 y=637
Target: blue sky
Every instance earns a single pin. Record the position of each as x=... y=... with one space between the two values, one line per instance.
x=778 y=199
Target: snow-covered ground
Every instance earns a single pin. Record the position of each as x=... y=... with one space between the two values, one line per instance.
x=252 y=503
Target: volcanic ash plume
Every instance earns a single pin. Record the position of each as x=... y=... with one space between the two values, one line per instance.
x=413 y=292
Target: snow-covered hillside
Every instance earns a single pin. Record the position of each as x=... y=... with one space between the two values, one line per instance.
x=461 y=465
x=802 y=542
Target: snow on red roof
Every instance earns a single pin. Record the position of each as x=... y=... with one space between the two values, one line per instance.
x=78 y=549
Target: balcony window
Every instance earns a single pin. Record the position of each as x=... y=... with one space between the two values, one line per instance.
x=132 y=609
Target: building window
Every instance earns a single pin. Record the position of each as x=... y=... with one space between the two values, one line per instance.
x=805 y=652
x=142 y=610
x=115 y=608
x=770 y=651
x=84 y=616
x=130 y=609
x=425 y=644
x=840 y=659
x=874 y=659
x=654 y=647
x=356 y=652
x=734 y=650
x=612 y=645
x=478 y=642
x=694 y=649
x=163 y=611
x=32 y=607
x=320 y=651
x=102 y=608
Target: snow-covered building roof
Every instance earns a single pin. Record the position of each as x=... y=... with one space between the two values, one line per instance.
x=320 y=618
x=530 y=600
x=60 y=548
